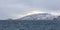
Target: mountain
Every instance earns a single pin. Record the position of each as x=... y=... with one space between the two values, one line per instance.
x=57 y=18
x=40 y=16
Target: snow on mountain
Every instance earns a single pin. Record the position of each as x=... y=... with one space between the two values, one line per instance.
x=40 y=16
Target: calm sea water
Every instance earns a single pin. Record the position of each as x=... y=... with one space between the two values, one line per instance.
x=29 y=25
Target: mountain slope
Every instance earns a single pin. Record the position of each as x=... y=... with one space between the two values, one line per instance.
x=40 y=16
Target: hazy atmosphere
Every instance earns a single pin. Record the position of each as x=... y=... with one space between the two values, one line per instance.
x=19 y=8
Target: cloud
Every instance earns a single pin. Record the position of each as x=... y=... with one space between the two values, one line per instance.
x=12 y=8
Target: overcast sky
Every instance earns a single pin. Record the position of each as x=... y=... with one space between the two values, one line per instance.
x=18 y=8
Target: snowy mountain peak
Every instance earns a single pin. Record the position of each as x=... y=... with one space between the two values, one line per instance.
x=40 y=16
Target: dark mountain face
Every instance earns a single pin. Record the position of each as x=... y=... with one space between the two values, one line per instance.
x=58 y=18
x=41 y=16
x=29 y=25
x=44 y=22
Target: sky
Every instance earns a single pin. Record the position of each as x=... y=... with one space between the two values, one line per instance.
x=18 y=8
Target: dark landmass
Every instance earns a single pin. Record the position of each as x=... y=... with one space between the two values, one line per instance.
x=29 y=24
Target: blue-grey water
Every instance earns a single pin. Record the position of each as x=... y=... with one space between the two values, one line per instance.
x=29 y=25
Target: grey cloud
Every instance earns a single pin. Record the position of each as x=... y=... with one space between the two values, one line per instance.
x=10 y=8
x=51 y=4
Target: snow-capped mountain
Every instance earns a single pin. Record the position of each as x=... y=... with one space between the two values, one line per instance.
x=40 y=16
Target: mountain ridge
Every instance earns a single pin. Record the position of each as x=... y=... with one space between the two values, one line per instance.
x=40 y=16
